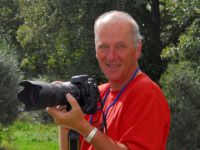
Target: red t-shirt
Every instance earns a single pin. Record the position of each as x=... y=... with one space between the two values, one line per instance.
x=139 y=119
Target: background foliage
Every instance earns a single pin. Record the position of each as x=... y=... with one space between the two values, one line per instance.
x=54 y=39
x=10 y=76
x=181 y=83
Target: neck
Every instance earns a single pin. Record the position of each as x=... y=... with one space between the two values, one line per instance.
x=116 y=86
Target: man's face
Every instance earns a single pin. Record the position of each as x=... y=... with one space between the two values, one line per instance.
x=115 y=51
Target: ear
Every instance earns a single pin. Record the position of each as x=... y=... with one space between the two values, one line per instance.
x=138 y=50
x=96 y=55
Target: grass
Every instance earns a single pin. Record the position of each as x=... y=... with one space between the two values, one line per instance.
x=30 y=136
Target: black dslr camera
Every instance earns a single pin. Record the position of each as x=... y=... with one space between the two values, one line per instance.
x=39 y=95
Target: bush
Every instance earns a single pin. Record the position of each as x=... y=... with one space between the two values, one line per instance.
x=9 y=78
x=181 y=84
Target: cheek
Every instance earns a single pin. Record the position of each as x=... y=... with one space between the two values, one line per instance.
x=133 y=55
x=100 y=57
x=128 y=59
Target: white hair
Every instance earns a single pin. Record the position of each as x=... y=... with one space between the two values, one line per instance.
x=119 y=15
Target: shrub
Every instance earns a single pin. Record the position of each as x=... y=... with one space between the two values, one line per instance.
x=9 y=78
x=181 y=84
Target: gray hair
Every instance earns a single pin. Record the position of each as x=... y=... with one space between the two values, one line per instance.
x=123 y=16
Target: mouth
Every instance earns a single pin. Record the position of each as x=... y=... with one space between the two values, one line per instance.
x=113 y=67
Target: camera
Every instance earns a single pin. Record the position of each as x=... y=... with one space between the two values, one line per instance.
x=39 y=95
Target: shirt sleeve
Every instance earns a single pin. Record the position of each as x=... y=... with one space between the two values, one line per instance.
x=145 y=124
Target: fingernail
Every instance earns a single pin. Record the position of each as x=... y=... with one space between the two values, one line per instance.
x=68 y=95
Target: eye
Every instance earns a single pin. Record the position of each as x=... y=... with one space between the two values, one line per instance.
x=121 y=46
x=102 y=48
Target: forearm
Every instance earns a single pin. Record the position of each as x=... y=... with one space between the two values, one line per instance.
x=63 y=138
x=101 y=141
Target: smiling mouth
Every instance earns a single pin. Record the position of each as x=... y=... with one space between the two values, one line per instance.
x=113 y=67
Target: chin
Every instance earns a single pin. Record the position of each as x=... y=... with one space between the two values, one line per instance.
x=113 y=77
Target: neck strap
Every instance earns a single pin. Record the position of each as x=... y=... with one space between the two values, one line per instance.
x=120 y=92
x=116 y=98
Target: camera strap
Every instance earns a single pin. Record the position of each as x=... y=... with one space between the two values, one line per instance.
x=105 y=114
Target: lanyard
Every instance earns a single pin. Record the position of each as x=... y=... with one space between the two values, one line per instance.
x=118 y=95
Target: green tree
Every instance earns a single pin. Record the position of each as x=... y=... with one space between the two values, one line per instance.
x=10 y=20
x=10 y=76
x=49 y=37
x=181 y=83
x=177 y=16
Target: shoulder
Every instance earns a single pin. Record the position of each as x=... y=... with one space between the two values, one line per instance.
x=146 y=94
x=143 y=83
x=144 y=90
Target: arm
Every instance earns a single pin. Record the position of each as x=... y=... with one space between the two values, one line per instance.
x=74 y=119
x=101 y=142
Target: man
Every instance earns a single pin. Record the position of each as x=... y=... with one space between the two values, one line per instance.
x=135 y=114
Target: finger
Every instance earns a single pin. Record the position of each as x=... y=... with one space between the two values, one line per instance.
x=61 y=108
x=53 y=112
x=72 y=101
x=50 y=111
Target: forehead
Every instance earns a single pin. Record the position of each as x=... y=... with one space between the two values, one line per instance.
x=113 y=30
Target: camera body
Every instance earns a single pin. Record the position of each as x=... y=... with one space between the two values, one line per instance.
x=39 y=95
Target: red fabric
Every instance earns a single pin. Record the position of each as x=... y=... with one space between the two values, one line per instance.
x=141 y=117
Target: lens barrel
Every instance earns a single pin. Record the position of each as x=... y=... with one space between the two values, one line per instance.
x=39 y=95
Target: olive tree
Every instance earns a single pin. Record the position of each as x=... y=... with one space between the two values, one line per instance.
x=9 y=78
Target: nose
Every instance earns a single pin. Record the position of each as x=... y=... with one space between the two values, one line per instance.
x=111 y=55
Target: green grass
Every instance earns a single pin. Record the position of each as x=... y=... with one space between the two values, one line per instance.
x=30 y=136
